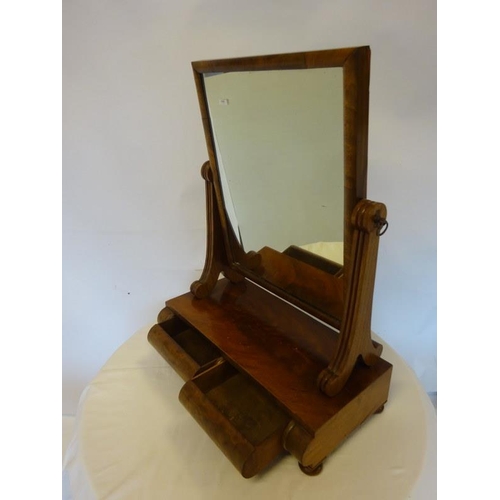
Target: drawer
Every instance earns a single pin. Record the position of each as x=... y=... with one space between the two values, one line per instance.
x=183 y=347
x=239 y=416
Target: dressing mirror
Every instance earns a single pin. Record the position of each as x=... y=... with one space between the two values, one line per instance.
x=277 y=354
x=287 y=136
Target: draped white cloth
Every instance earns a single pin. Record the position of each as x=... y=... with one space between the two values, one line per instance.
x=134 y=440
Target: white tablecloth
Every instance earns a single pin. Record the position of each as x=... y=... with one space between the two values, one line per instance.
x=134 y=440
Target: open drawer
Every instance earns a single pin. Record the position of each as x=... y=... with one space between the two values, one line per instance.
x=185 y=348
x=239 y=416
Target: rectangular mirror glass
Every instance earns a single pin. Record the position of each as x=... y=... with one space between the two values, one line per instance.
x=279 y=143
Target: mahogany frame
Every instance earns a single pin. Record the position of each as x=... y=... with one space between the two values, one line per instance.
x=251 y=358
x=356 y=74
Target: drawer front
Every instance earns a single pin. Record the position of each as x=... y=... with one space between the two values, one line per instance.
x=237 y=415
x=183 y=347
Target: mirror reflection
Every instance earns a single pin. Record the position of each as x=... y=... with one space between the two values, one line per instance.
x=279 y=142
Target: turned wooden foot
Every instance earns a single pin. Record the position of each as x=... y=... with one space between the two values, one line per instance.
x=311 y=470
x=380 y=410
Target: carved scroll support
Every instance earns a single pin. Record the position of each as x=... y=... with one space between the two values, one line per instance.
x=217 y=260
x=368 y=222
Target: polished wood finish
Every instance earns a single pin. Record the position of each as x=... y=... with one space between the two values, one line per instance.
x=216 y=260
x=256 y=396
x=277 y=356
x=356 y=69
x=279 y=273
x=270 y=341
x=305 y=282
x=185 y=349
x=356 y=97
x=367 y=220
x=240 y=418
x=311 y=470
x=302 y=281
x=298 y=60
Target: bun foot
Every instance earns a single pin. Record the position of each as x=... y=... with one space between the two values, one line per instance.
x=311 y=470
x=380 y=410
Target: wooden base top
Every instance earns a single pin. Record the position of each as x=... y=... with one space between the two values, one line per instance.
x=276 y=345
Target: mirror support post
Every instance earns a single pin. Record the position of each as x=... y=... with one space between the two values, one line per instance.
x=368 y=220
x=216 y=260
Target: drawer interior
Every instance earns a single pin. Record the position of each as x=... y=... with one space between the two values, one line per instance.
x=198 y=347
x=185 y=348
x=245 y=405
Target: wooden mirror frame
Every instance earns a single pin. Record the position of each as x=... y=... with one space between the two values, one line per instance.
x=329 y=307
x=249 y=357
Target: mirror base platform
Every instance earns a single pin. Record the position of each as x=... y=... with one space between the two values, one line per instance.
x=250 y=362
